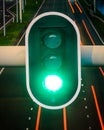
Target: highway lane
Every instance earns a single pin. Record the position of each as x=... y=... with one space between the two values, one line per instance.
x=82 y=19
x=92 y=76
x=19 y=112
x=16 y=108
x=50 y=5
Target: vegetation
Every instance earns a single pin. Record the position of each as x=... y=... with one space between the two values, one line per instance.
x=97 y=23
x=14 y=30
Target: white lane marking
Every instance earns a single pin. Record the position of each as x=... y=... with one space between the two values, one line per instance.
x=1 y=71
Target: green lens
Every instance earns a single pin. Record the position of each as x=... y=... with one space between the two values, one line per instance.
x=53 y=82
x=52 y=62
x=52 y=40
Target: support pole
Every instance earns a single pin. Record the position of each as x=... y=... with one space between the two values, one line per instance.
x=94 y=6
x=17 y=11
x=4 y=26
x=15 y=55
x=92 y=55
x=20 y=10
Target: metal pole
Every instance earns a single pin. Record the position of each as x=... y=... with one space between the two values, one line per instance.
x=17 y=11
x=25 y=2
x=4 y=18
x=16 y=55
x=20 y=10
x=94 y=6
x=23 y=5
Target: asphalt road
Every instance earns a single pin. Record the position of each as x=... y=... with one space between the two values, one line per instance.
x=18 y=112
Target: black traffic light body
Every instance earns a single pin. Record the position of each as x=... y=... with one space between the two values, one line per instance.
x=53 y=60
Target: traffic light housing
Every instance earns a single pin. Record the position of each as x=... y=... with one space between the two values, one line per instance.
x=53 y=60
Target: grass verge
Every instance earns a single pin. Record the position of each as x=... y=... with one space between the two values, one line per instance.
x=14 y=30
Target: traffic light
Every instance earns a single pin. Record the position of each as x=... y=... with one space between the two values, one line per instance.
x=53 y=60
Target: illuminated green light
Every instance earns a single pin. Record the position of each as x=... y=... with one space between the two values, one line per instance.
x=53 y=82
